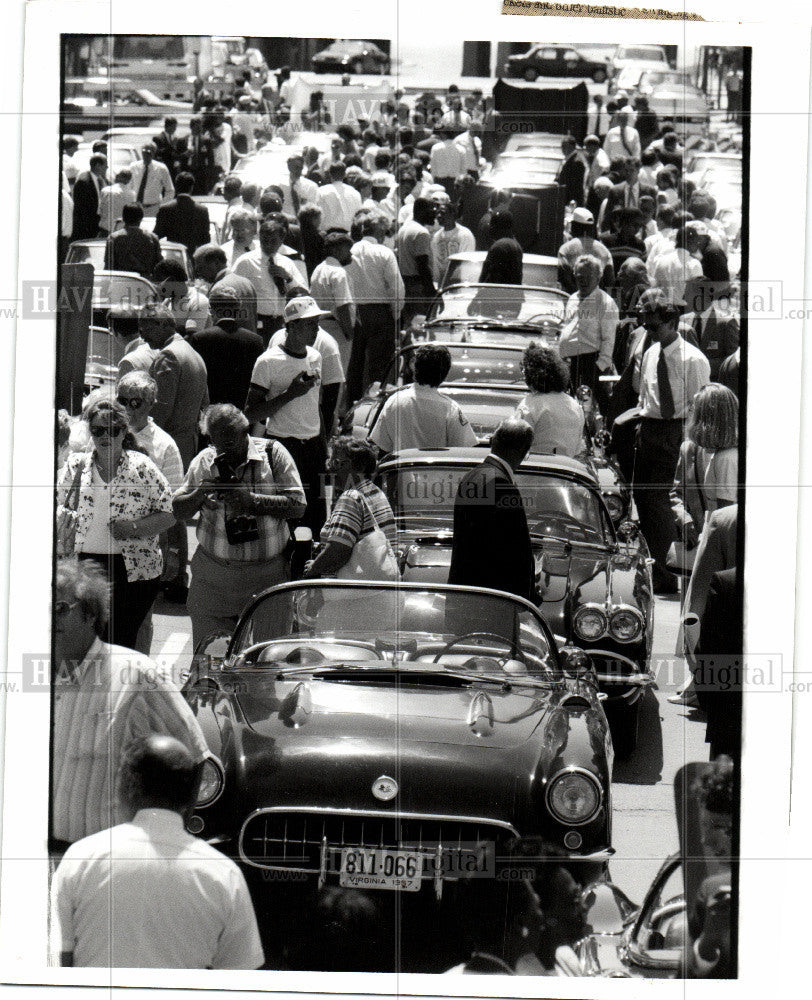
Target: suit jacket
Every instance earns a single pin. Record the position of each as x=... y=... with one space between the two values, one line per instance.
x=183 y=391
x=687 y=499
x=717 y=551
x=617 y=198
x=183 y=221
x=717 y=336
x=571 y=175
x=718 y=655
x=229 y=356
x=246 y=297
x=491 y=546
x=171 y=151
x=85 y=207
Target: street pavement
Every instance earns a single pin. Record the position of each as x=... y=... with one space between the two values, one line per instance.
x=644 y=827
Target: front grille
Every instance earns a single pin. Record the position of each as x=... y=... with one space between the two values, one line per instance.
x=311 y=840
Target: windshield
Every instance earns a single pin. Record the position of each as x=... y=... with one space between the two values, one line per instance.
x=304 y=629
x=512 y=304
x=470 y=363
x=555 y=506
x=643 y=52
x=673 y=78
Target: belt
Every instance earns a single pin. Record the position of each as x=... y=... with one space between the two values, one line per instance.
x=240 y=562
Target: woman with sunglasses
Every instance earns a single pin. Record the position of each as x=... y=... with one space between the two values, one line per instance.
x=122 y=504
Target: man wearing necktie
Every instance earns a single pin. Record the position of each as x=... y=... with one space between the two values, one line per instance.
x=151 y=179
x=672 y=373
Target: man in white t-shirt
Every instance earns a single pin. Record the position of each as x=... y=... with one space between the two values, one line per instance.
x=147 y=894
x=418 y=415
x=331 y=287
x=450 y=238
x=338 y=201
x=285 y=393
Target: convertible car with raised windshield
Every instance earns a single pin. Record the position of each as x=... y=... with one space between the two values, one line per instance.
x=594 y=579
x=372 y=734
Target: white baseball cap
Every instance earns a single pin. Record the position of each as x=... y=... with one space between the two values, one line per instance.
x=303 y=307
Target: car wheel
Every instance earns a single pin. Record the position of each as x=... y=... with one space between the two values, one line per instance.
x=358 y=67
x=530 y=74
x=624 y=721
x=599 y=75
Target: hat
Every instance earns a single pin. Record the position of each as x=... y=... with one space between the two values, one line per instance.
x=697 y=228
x=303 y=307
x=583 y=216
x=592 y=139
x=627 y=109
x=381 y=179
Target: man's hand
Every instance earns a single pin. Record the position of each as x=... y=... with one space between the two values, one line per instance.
x=301 y=385
x=239 y=500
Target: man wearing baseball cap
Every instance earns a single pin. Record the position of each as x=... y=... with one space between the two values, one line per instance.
x=583 y=241
x=285 y=393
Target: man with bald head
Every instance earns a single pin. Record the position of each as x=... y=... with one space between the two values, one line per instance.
x=212 y=269
x=147 y=894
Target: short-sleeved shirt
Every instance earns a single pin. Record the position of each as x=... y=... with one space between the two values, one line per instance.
x=274 y=370
x=412 y=241
x=163 y=451
x=257 y=474
x=254 y=267
x=330 y=286
x=420 y=416
x=557 y=421
x=332 y=371
x=147 y=894
x=570 y=251
x=721 y=478
x=446 y=242
x=353 y=517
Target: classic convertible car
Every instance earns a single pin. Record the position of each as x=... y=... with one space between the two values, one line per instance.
x=370 y=733
x=595 y=580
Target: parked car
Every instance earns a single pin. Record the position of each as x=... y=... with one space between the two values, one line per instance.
x=92 y=252
x=368 y=729
x=524 y=167
x=595 y=580
x=679 y=100
x=122 y=290
x=645 y=56
x=555 y=60
x=347 y=55
x=120 y=155
x=547 y=142
x=467 y=266
x=104 y=352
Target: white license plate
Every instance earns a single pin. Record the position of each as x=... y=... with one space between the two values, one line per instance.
x=362 y=868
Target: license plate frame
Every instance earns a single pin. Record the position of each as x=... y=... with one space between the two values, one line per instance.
x=374 y=865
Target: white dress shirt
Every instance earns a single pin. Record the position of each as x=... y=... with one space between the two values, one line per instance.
x=375 y=275
x=614 y=147
x=112 y=200
x=306 y=190
x=590 y=324
x=447 y=159
x=338 y=203
x=159 y=187
x=331 y=286
x=254 y=266
x=673 y=270
x=234 y=251
x=688 y=372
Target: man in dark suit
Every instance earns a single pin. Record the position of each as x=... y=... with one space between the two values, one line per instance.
x=718 y=672
x=86 y=193
x=572 y=171
x=182 y=219
x=170 y=149
x=714 y=331
x=228 y=350
x=491 y=546
x=628 y=193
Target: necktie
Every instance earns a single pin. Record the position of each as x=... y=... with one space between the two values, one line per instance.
x=294 y=197
x=698 y=329
x=142 y=187
x=664 y=385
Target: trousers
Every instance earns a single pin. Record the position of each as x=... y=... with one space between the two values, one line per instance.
x=310 y=457
x=130 y=601
x=373 y=346
x=657 y=452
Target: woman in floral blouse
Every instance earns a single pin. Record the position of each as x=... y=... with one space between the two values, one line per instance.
x=124 y=503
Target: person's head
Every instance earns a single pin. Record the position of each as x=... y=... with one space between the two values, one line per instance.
x=670 y=141
x=64 y=422
x=249 y=193
x=184 y=182
x=232 y=187
x=70 y=144
x=209 y=260
x=227 y=428
x=170 y=125
x=136 y=392
x=310 y=217
x=702 y=205
x=648 y=158
x=582 y=223
x=627 y=222
x=158 y=772
x=665 y=217
x=380 y=185
x=99 y=146
x=107 y=422
x=132 y=215
x=156 y=324
x=511 y=441
x=502 y=264
x=715 y=418
x=337 y=171
x=666 y=179
x=224 y=306
x=544 y=370
x=271 y=236
x=123 y=177
x=445 y=209
x=243 y=226
x=568 y=145
x=587 y=273
x=424 y=211
x=687 y=238
x=371 y=222
x=501 y=224
x=148 y=152
x=81 y=608
x=302 y=316
x=432 y=363
x=631 y=170
x=632 y=273
x=351 y=460
x=591 y=146
x=648 y=207
x=169 y=277
x=270 y=201
x=98 y=164
x=406 y=180
x=339 y=246
x=659 y=315
x=715 y=792
x=383 y=159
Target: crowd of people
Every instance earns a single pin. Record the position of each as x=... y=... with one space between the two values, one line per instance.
x=231 y=387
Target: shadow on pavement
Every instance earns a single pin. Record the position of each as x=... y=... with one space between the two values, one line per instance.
x=645 y=765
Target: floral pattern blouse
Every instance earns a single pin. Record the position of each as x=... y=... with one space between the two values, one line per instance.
x=137 y=490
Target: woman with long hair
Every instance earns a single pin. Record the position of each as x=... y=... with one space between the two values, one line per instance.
x=556 y=418
x=112 y=504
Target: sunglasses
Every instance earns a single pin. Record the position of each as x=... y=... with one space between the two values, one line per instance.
x=133 y=402
x=61 y=608
x=114 y=432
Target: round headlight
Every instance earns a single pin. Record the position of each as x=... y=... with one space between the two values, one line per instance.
x=614 y=504
x=626 y=624
x=211 y=782
x=574 y=797
x=590 y=624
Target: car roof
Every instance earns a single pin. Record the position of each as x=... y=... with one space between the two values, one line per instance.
x=474 y=456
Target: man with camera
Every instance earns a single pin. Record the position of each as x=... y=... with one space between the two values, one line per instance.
x=245 y=489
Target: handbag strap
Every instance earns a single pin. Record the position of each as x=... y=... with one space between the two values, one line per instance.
x=72 y=498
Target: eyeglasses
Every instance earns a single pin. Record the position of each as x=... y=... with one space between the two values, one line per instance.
x=61 y=608
x=114 y=432
x=133 y=402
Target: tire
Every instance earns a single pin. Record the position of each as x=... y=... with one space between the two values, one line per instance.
x=531 y=75
x=624 y=722
x=599 y=76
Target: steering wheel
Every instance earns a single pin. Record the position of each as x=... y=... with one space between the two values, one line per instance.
x=550 y=317
x=514 y=647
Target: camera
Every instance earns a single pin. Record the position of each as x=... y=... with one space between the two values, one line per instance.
x=240 y=528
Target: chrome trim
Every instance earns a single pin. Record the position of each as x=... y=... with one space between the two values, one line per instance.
x=590 y=606
x=627 y=609
x=211 y=758
x=602 y=855
x=573 y=769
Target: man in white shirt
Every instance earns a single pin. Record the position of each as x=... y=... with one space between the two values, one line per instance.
x=597 y=162
x=151 y=180
x=112 y=200
x=622 y=141
x=285 y=393
x=418 y=415
x=447 y=161
x=677 y=271
x=379 y=291
x=298 y=189
x=672 y=373
x=331 y=287
x=232 y=192
x=450 y=238
x=147 y=894
x=338 y=201
x=243 y=235
x=271 y=274
x=590 y=323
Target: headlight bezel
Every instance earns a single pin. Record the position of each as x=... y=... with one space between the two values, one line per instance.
x=582 y=612
x=570 y=772
x=611 y=499
x=635 y=613
x=220 y=777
